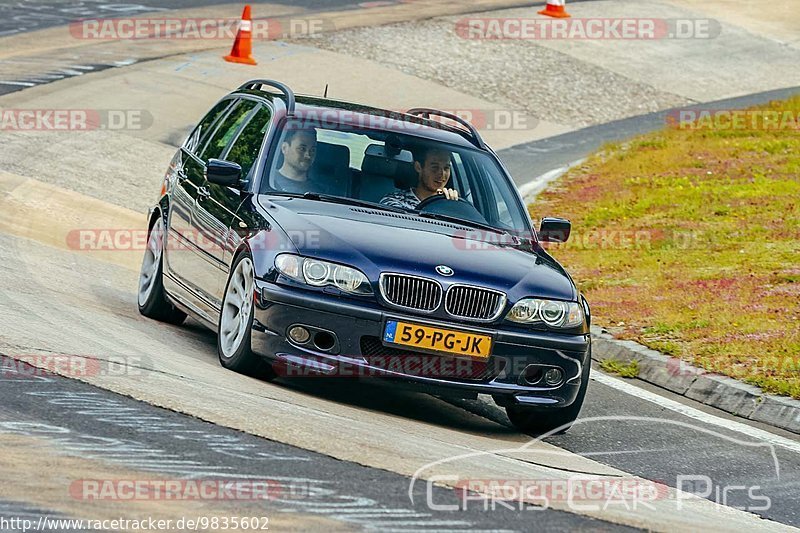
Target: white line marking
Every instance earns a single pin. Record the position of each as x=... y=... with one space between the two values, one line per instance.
x=22 y=83
x=696 y=414
x=442 y=523
x=529 y=190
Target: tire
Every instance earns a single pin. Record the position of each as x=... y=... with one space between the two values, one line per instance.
x=151 y=298
x=536 y=421
x=235 y=326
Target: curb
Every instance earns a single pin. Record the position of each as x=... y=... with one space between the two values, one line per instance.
x=42 y=212
x=721 y=392
x=529 y=191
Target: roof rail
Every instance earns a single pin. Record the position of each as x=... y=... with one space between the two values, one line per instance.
x=425 y=112
x=287 y=92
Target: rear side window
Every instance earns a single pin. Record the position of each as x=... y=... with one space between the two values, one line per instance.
x=247 y=145
x=206 y=126
x=227 y=130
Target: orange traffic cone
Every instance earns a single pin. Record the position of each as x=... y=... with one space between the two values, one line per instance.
x=243 y=46
x=555 y=8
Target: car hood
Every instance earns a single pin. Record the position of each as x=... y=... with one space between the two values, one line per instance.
x=380 y=241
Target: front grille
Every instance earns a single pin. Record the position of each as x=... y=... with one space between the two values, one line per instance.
x=474 y=303
x=411 y=292
x=427 y=365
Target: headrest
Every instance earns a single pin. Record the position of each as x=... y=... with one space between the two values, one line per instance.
x=378 y=165
x=406 y=176
x=399 y=167
x=329 y=155
x=389 y=152
x=333 y=154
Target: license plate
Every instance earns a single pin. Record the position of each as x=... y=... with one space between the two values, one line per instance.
x=438 y=339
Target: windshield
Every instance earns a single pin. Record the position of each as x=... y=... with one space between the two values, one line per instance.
x=392 y=170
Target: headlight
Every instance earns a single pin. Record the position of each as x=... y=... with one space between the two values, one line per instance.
x=316 y=272
x=554 y=313
x=290 y=265
x=321 y=273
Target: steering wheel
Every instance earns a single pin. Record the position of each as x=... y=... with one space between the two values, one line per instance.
x=461 y=208
x=433 y=199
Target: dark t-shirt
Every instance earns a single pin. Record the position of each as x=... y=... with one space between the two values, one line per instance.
x=283 y=184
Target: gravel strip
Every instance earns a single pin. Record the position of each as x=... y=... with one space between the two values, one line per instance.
x=521 y=74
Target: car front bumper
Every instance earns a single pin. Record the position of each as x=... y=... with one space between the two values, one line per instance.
x=358 y=350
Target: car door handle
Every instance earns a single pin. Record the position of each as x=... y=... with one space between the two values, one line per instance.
x=203 y=192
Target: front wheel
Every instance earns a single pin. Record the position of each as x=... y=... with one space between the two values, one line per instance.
x=236 y=322
x=152 y=301
x=537 y=421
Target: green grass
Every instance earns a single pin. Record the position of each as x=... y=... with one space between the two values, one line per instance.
x=612 y=366
x=688 y=241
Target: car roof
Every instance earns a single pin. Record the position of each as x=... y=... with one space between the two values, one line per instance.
x=361 y=116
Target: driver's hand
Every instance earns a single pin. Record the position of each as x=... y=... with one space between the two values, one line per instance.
x=450 y=194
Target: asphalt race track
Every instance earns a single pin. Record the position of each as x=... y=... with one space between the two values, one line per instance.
x=538 y=157
x=91 y=312
x=301 y=480
x=18 y=17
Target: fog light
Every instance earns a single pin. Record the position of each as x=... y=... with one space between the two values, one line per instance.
x=553 y=376
x=299 y=334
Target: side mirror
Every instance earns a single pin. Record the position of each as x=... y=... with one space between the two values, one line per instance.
x=554 y=229
x=223 y=173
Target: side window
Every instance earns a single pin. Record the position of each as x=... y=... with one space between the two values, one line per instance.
x=205 y=126
x=502 y=203
x=227 y=129
x=503 y=212
x=246 y=147
x=459 y=178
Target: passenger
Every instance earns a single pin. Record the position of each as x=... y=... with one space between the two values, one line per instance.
x=299 y=150
x=433 y=169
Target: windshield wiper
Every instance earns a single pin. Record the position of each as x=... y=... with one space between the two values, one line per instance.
x=349 y=201
x=465 y=222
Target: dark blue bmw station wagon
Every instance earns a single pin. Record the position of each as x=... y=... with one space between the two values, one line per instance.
x=317 y=237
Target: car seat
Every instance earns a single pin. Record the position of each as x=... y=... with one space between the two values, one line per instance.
x=332 y=165
x=382 y=174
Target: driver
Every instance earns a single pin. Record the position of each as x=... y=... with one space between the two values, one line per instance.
x=433 y=167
